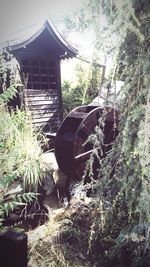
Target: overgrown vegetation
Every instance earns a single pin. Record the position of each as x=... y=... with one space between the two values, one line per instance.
x=21 y=170
x=122 y=237
x=86 y=88
x=119 y=234
x=115 y=229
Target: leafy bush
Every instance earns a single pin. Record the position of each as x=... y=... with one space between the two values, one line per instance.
x=72 y=97
x=20 y=151
x=84 y=90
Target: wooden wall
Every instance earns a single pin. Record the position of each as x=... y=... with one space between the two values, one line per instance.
x=42 y=93
x=44 y=106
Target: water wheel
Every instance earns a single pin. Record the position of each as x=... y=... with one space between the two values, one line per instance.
x=70 y=149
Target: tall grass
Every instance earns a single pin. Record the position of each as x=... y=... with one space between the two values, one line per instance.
x=20 y=149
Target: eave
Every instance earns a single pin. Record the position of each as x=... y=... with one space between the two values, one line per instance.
x=30 y=38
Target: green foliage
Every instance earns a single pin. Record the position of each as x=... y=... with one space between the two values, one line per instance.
x=72 y=97
x=123 y=186
x=7 y=95
x=19 y=159
x=17 y=201
x=20 y=149
x=120 y=229
x=85 y=89
x=9 y=78
x=80 y=18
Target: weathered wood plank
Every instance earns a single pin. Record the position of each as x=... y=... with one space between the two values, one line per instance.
x=42 y=112
x=46 y=115
x=42 y=95
x=37 y=120
x=43 y=102
x=41 y=98
x=44 y=75
x=43 y=107
x=39 y=82
x=40 y=91
x=52 y=124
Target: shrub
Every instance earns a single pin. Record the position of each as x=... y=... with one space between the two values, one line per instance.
x=20 y=150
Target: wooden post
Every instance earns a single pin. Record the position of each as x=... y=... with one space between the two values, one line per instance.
x=58 y=77
x=21 y=96
x=13 y=248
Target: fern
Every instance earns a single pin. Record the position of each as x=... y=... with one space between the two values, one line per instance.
x=8 y=94
x=20 y=200
x=20 y=149
x=8 y=179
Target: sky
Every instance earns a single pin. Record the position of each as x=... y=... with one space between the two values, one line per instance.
x=17 y=15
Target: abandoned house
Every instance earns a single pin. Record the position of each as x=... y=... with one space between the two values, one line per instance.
x=39 y=54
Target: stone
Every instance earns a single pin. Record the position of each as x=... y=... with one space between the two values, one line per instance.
x=48 y=185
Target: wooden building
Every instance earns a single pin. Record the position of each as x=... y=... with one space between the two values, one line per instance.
x=39 y=54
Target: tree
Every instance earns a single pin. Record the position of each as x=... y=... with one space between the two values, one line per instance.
x=122 y=231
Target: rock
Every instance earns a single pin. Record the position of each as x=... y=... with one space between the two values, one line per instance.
x=49 y=185
x=17 y=189
x=61 y=182
x=13 y=217
x=48 y=166
x=49 y=161
x=51 y=203
x=31 y=264
x=14 y=189
x=36 y=234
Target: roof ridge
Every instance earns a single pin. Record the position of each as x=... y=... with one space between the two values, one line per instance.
x=29 y=36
